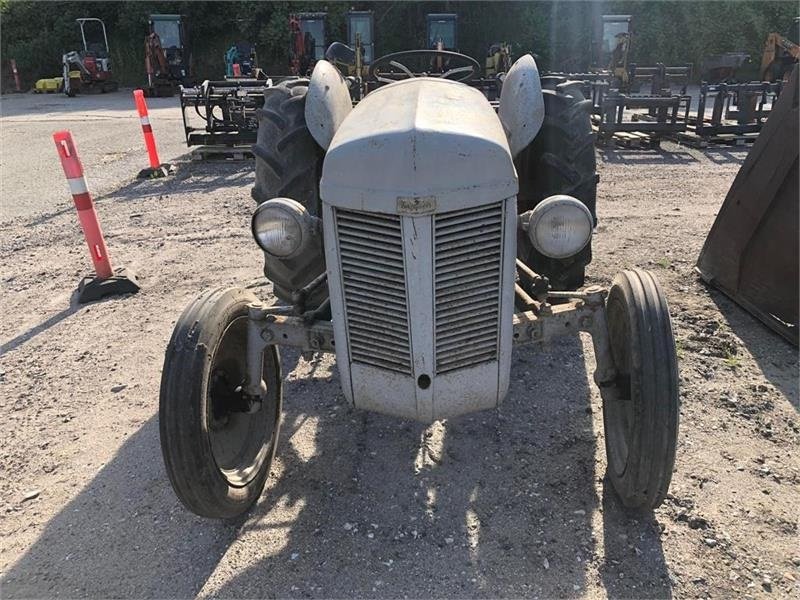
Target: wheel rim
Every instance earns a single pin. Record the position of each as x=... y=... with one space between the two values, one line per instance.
x=619 y=407
x=240 y=442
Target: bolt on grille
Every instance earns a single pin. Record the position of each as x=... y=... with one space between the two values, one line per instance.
x=469 y=250
x=373 y=274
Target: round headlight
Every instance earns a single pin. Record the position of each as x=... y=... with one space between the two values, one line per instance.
x=280 y=226
x=560 y=226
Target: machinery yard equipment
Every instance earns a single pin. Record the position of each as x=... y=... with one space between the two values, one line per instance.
x=442 y=31
x=418 y=236
x=307 y=39
x=737 y=108
x=167 y=58
x=661 y=113
x=360 y=33
x=622 y=112
x=722 y=68
x=89 y=71
x=498 y=59
x=751 y=251
x=241 y=61
x=613 y=48
x=781 y=52
x=227 y=110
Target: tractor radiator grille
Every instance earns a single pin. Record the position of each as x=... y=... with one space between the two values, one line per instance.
x=373 y=274
x=469 y=249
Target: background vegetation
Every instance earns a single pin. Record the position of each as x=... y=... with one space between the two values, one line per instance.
x=559 y=32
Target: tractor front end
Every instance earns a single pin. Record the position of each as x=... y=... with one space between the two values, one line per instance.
x=420 y=250
x=407 y=261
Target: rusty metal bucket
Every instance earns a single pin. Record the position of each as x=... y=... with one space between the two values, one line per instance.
x=751 y=252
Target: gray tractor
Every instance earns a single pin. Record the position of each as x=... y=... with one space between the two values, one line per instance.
x=418 y=234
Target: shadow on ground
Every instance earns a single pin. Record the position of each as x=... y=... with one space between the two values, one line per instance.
x=772 y=352
x=646 y=156
x=189 y=177
x=722 y=155
x=123 y=535
x=31 y=333
x=499 y=503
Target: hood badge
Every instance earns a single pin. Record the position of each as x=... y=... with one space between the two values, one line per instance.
x=416 y=205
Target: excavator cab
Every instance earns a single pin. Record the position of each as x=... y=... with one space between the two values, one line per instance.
x=307 y=41
x=442 y=31
x=614 y=43
x=360 y=23
x=166 y=55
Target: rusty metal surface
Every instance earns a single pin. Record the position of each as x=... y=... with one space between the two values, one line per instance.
x=751 y=253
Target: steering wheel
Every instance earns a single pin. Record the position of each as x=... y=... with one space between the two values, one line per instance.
x=440 y=59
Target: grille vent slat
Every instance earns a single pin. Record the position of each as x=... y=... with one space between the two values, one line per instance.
x=373 y=277
x=468 y=258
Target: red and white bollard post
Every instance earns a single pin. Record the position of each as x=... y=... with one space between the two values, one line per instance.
x=104 y=281
x=156 y=168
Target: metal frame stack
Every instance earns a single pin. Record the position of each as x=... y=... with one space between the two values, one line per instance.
x=227 y=109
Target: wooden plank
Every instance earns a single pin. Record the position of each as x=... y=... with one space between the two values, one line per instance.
x=222 y=153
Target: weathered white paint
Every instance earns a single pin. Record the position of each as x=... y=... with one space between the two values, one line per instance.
x=435 y=141
x=521 y=109
x=327 y=102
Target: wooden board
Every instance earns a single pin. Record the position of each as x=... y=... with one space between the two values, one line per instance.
x=690 y=138
x=627 y=139
x=222 y=153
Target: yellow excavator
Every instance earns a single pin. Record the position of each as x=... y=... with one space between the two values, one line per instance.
x=781 y=52
x=498 y=59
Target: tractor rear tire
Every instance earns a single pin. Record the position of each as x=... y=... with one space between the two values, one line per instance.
x=560 y=160
x=289 y=165
x=288 y=160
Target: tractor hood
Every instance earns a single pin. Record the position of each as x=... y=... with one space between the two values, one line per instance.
x=419 y=146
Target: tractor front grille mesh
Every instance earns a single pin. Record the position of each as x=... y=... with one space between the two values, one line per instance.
x=373 y=274
x=468 y=258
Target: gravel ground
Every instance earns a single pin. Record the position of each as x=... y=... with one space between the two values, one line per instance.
x=505 y=503
x=107 y=133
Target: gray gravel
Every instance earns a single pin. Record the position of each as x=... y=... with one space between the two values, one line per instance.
x=107 y=133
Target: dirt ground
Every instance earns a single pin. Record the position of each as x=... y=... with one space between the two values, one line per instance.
x=107 y=133
x=504 y=503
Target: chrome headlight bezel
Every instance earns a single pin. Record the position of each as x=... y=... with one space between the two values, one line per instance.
x=559 y=215
x=288 y=215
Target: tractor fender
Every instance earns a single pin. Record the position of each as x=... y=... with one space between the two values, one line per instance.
x=521 y=109
x=327 y=102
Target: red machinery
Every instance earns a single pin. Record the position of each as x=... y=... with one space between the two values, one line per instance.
x=306 y=41
x=90 y=69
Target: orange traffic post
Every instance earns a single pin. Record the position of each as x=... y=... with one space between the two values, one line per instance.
x=104 y=281
x=156 y=168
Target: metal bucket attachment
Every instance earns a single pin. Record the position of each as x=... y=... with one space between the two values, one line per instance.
x=751 y=252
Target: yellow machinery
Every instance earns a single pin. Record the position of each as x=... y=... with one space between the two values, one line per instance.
x=780 y=53
x=49 y=86
x=498 y=59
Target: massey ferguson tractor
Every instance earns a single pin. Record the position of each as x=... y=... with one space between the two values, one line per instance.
x=418 y=234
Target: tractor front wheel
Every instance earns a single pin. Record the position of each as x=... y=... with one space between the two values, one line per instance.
x=217 y=444
x=640 y=407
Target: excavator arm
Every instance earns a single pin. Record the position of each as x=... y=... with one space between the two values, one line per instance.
x=155 y=61
x=775 y=46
